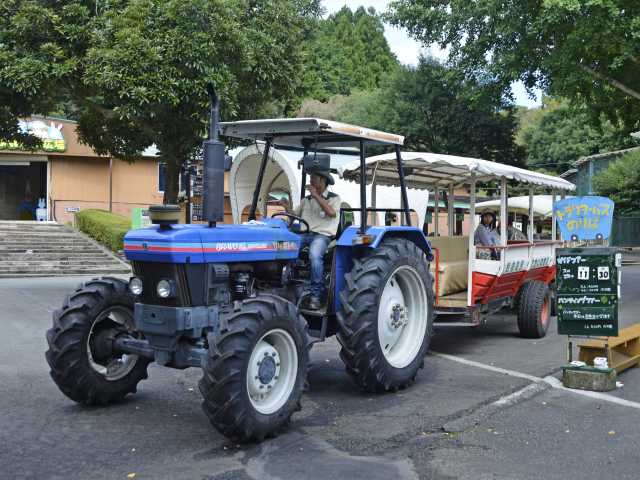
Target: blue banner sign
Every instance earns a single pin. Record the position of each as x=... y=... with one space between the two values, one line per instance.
x=584 y=218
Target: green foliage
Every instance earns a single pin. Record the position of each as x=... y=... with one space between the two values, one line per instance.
x=135 y=70
x=105 y=227
x=558 y=134
x=621 y=183
x=438 y=110
x=585 y=50
x=349 y=52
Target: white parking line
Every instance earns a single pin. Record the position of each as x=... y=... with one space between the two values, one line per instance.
x=484 y=366
x=552 y=381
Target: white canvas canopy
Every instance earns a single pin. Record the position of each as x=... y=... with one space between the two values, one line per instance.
x=283 y=175
x=542 y=205
x=424 y=170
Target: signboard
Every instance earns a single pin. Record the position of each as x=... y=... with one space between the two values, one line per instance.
x=140 y=218
x=51 y=136
x=588 y=291
x=71 y=209
x=584 y=218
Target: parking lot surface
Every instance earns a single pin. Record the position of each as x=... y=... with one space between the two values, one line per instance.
x=485 y=406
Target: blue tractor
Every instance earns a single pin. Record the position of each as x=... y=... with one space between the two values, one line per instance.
x=230 y=298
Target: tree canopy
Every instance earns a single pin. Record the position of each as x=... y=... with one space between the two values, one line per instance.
x=348 y=52
x=559 y=133
x=438 y=110
x=586 y=50
x=135 y=71
x=621 y=183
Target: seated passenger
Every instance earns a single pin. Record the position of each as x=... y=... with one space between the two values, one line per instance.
x=320 y=209
x=487 y=235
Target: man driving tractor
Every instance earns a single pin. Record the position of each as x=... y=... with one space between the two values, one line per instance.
x=320 y=209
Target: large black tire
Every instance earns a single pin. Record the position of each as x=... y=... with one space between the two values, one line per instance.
x=72 y=361
x=362 y=352
x=224 y=385
x=534 y=310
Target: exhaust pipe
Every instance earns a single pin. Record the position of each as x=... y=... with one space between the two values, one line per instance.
x=214 y=166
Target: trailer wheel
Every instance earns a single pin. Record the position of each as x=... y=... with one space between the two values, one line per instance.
x=82 y=362
x=534 y=310
x=255 y=370
x=386 y=316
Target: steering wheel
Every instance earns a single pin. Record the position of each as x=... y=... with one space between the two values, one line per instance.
x=293 y=218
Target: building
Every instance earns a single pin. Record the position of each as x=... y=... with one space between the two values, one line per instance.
x=69 y=176
x=586 y=168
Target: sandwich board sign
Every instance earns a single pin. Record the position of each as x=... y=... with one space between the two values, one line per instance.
x=588 y=291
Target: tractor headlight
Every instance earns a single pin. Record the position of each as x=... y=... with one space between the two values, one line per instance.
x=135 y=285
x=165 y=289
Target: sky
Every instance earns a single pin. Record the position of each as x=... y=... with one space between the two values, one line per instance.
x=408 y=50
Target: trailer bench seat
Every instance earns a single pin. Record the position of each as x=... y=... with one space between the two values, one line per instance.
x=453 y=264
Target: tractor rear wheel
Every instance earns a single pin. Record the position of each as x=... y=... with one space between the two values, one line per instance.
x=256 y=369
x=82 y=362
x=386 y=316
x=534 y=309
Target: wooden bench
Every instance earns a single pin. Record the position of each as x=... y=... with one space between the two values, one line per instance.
x=622 y=352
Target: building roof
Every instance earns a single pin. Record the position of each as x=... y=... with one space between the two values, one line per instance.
x=602 y=156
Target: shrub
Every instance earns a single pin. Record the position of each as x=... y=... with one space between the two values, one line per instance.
x=105 y=227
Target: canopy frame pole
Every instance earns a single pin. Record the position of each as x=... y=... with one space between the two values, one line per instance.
x=256 y=192
x=562 y=195
x=530 y=232
x=450 y=214
x=303 y=179
x=374 y=195
x=363 y=190
x=472 y=230
x=504 y=220
x=436 y=210
x=403 y=187
x=554 y=232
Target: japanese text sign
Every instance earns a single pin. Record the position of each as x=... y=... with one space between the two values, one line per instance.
x=584 y=218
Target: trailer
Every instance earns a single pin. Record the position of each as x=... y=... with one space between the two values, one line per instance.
x=519 y=274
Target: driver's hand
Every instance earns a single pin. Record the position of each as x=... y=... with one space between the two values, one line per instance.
x=312 y=190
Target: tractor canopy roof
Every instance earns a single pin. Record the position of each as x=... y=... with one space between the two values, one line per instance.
x=424 y=170
x=310 y=133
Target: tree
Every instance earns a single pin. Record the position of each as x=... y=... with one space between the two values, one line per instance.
x=349 y=52
x=559 y=133
x=621 y=183
x=585 y=50
x=136 y=70
x=438 y=110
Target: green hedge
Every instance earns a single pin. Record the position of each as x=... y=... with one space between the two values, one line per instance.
x=105 y=227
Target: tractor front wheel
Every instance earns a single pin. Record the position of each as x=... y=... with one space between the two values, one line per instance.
x=83 y=363
x=386 y=316
x=255 y=370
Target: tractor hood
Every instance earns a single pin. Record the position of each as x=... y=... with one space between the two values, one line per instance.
x=266 y=240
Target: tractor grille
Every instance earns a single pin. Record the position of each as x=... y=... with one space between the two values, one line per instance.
x=151 y=273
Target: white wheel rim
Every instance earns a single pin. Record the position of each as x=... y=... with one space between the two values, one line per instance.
x=272 y=371
x=121 y=364
x=402 y=316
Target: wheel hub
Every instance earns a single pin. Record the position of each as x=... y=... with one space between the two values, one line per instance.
x=398 y=317
x=264 y=370
x=267 y=370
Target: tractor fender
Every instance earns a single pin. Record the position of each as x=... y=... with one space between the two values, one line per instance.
x=345 y=249
x=414 y=234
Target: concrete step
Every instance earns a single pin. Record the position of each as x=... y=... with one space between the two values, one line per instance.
x=68 y=271
x=40 y=237
x=64 y=255
x=57 y=263
x=52 y=249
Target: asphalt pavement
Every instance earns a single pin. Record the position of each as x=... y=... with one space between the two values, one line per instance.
x=483 y=407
